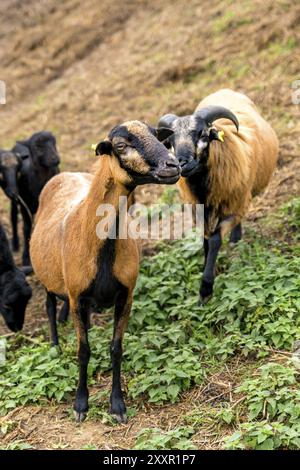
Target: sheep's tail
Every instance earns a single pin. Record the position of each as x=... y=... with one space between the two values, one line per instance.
x=23 y=203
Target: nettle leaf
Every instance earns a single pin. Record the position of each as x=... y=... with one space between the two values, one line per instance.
x=255 y=410
x=268 y=444
x=173 y=391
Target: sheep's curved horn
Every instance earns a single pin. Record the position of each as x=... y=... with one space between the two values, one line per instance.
x=167 y=120
x=211 y=113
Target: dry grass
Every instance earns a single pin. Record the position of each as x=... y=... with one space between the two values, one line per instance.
x=80 y=70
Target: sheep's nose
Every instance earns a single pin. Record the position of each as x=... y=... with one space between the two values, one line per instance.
x=169 y=168
x=172 y=166
x=172 y=163
x=183 y=162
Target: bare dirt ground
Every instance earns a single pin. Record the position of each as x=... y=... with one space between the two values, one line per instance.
x=79 y=68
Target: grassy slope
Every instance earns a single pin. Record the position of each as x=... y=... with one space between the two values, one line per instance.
x=107 y=64
x=173 y=345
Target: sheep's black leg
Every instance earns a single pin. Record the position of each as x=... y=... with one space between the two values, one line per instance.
x=122 y=312
x=205 y=246
x=236 y=234
x=27 y=225
x=88 y=321
x=14 y=224
x=214 y=244
x=64 y=312
x=80 y=317
x=51 y=312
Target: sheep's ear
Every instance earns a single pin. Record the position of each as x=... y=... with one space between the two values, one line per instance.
x=214 y=134
x=163 y=133
x=104 y=148
x=19 y=157
x=22 y=150
x=23 y=156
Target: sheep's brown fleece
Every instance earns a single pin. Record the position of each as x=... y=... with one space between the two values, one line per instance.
x=68 y=198
x=241 y=166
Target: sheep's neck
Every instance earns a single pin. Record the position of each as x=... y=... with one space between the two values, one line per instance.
x=199 y=182
x=105 y=189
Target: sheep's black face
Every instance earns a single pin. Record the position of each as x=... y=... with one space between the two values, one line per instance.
x=192 y=135
x=43 y=149
x=15 y=293
x=189 y=142
x=140 y=153
x=10 y=165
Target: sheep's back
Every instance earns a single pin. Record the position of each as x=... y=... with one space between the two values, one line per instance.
x=256 y=141
x=58 y=199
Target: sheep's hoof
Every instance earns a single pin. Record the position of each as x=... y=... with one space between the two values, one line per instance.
x=206 y=291
x=55 y=349
x=118 y=410
x=204 y=300
x=233 y=244
x=120 y=418
x=62 y=321
x=79 y=416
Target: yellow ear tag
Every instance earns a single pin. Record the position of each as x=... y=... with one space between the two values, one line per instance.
x=93 y=146
x=221 y=136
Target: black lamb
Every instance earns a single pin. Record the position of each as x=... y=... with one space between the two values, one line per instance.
x=24 y=171
x=15 y=292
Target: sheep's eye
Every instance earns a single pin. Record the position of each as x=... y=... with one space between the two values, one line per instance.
x=121 y=146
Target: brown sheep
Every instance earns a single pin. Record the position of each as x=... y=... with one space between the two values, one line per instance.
x=223 y=166
x=73 y=263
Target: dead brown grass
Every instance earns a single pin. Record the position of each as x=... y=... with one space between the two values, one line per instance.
x=78 y=68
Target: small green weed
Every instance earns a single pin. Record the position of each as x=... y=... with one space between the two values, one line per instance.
x=273 y=410
x=17 y=445
x=157 y=439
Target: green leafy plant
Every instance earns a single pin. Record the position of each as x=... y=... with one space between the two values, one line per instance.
x=7 y=426
x=263 y=435
x=274 y=393
x=17 y=445
x=89 y=447
x=273 y=398
x=157 y=439
x=172 y=343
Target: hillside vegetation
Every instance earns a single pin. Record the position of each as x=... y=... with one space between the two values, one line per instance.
x=219 y=376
